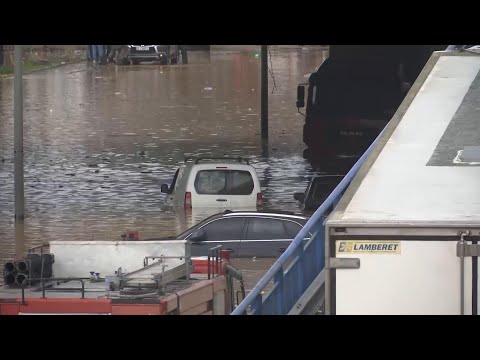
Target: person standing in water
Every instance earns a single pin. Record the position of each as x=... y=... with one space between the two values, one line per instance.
x=182 y=50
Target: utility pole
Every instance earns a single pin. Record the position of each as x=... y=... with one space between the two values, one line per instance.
x=18 y=152
x=264 y=93
x=18 y=134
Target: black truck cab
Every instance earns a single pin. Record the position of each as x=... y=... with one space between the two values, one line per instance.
x=354 y=93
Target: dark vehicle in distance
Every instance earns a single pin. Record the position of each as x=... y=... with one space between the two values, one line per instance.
x=165 y=54
x=354 y=93
x=317 y=192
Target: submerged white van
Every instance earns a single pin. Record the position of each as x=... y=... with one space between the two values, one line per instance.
x=229 y=183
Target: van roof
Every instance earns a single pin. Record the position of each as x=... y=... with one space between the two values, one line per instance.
x=198 y=160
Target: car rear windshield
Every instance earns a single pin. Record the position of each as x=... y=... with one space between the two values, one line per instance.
x=224 y=182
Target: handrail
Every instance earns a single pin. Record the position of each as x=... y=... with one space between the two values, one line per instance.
x=213 y=255
x=44 y=280
x=254 y=296
x=230 y=274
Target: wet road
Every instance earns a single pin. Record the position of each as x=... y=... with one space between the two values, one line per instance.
x=99 y=142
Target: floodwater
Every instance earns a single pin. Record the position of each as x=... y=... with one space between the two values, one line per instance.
x=99 y=142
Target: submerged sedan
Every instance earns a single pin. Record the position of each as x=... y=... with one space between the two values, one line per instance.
x=245 y=234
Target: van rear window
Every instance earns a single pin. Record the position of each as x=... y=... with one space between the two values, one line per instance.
x=224 y=182
x=242 y=182
x=212 y=182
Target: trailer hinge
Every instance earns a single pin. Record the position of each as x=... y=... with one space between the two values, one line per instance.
x=468 y=250
x=465 y=249
x=344 y=263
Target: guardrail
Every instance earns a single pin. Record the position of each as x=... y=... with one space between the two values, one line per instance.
x=307 y=261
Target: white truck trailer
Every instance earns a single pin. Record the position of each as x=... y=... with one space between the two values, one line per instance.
x=403 y=239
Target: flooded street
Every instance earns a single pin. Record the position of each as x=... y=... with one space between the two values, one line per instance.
x=99 y=142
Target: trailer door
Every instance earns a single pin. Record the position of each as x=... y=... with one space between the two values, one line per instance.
x=402 y=277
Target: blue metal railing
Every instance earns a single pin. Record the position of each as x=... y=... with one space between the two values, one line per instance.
x=307 y=260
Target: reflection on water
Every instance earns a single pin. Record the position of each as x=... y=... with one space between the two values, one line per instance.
x=100 y=142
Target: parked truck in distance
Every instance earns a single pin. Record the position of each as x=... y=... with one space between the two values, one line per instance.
x=355 y=93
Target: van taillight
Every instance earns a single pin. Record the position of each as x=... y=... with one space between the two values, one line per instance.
x=188 y=200
x=259 y=200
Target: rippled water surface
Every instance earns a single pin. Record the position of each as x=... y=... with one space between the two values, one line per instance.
x=99 y=142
